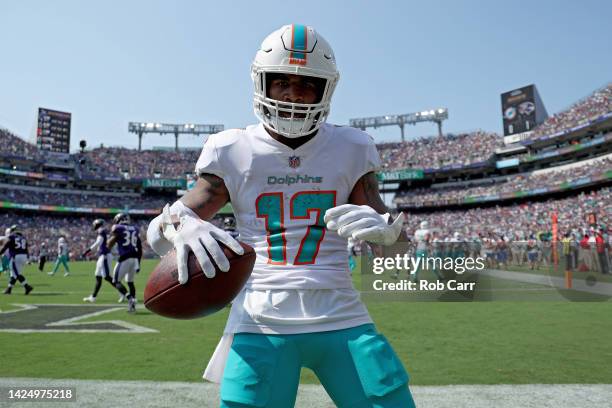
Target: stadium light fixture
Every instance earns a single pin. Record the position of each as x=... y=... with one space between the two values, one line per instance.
x=140 y=128
x=434 y=115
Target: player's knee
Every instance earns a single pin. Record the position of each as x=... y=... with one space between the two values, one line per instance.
x=249 y=371
x=398 y=398
x=381 y=373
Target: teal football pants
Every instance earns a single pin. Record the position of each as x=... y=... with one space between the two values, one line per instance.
x=356 y=366
x=61 y=260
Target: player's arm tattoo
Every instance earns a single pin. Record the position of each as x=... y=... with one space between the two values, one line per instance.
x=207 y=197
x=366 y=192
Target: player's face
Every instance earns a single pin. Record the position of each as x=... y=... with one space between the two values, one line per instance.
x=295 y=89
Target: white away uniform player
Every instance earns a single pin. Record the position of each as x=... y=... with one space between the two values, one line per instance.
x=299 y=188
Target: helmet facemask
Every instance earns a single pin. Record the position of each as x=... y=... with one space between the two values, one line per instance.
x=290 y=119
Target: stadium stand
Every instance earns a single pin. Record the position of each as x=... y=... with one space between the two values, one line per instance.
x=119 y=162
x=77 y=230
x=523 y=220
x=589 y=108
x=80 y=199
x=540 y=179
x=437 y=152
x=48 y=195
x=12 y=145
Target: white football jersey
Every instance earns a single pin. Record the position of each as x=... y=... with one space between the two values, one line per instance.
x=62 y=247
x=421 y=236
x=280 y=195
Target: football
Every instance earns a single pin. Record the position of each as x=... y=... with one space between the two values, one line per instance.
x=200 y=296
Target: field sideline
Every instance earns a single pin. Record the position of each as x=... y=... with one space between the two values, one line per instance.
x=102 y=394
x=440 y=343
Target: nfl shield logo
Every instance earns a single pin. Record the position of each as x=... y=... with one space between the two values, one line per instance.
x=294 y=162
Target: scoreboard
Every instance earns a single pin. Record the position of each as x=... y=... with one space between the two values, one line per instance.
x=53 y=131
x=522 y=110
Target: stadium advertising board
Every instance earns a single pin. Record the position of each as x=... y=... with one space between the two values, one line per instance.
x=53 y=130
x=164 y=183
x=401 y=174
x=522 y=110
x=22 y=173
x=84 y=210
x=501 y=164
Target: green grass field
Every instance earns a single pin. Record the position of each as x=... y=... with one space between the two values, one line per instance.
x=440 y=342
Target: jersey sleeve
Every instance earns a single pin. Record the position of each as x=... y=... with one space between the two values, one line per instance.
x=372 y=158
x=363 y=154
x=208 y=162
x=97 y=243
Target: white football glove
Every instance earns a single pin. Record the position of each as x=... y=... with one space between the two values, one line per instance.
x=199 y=236
x=363 y=222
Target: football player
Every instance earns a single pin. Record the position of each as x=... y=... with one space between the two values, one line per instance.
x=17 y=247
x=4 y=259
x=129 y=246
x=299 y=188
x=105 y=259
x=62 y=257
x=42 y=257
x=423 y=238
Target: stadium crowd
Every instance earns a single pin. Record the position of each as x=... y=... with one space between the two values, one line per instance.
x=516 y=222
x=436 y=152
x=77 y=230
x=12 y=145
x=521 y=234
x=591 y=107
x=42 y=228
x=115 y=161
x=522 y=220
x=521 y=182
x=422 y=153
x=82 y=200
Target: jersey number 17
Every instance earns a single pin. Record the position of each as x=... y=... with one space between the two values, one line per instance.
x=270 y=207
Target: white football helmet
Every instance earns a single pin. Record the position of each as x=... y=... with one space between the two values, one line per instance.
x=299 y=50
